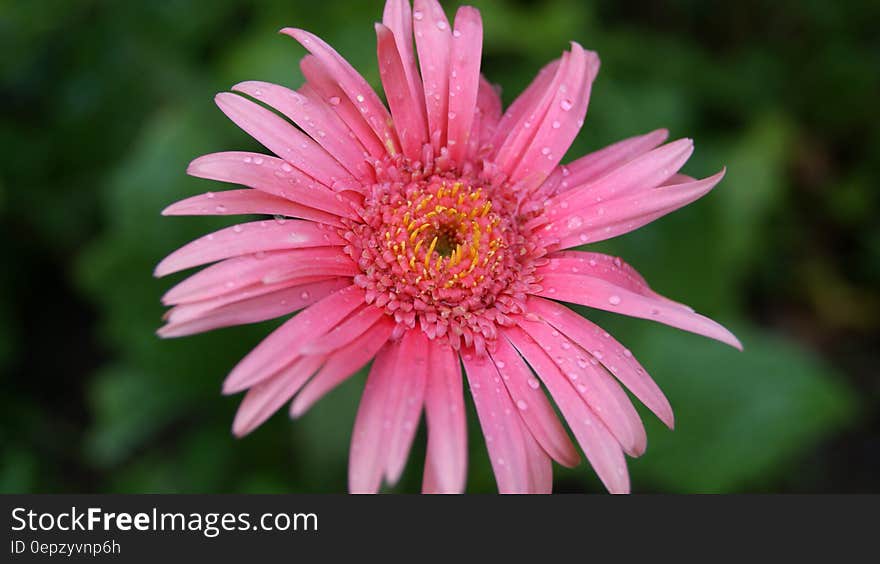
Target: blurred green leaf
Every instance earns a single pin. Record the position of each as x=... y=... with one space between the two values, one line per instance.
x=742 y=419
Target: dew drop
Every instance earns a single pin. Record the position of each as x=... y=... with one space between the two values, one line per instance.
x=565 y=104
x=522 y=405
x=286 y=167
x=441 y=25
x=417 y=15
x=360 y=98
x=574 y=222
x=533 y=383
x=221 y=208
x=334 y=100
x=556 y=125
x=237 y=228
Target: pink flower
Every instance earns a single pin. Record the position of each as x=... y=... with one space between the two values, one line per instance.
x=432 y=236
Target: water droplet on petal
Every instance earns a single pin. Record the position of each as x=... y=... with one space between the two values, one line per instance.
x=566 y=104
x=334 y=100
x=522 y=405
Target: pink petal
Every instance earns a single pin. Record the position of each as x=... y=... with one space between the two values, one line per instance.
x=637 y=175
x=540 y=465
x=446 y=458
x=595 y=165
x=409 y=120
x=405 y=401
x=240 y=202
x=595 y=386
x=242 y=273
x=518 y=135
x=585 y=220
x=265 y=398
x=598 y=444
x=259 y=308
x=501 y=425
x=518 y=112
x=366 y=460
x=397 y=17
x=341 y=364
x=614 y=356
x=353 y=84
x=599 y=265
x=315 y=119
x=562 y=121
x=328 y=90
x=191 y=310
x=273 y=176
x=486 y=117
x=603 y=294
x=247 y=238
x=464 y=80
x=433 y=42
x=534 y=408
x=283 y=139
x=286 y=343
x=345 y=332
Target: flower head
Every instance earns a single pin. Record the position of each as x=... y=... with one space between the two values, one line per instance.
x=430 y=236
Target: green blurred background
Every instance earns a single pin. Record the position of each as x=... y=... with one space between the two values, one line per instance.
x=104 y=103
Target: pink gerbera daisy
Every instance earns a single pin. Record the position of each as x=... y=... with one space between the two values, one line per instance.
x=432 y=236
